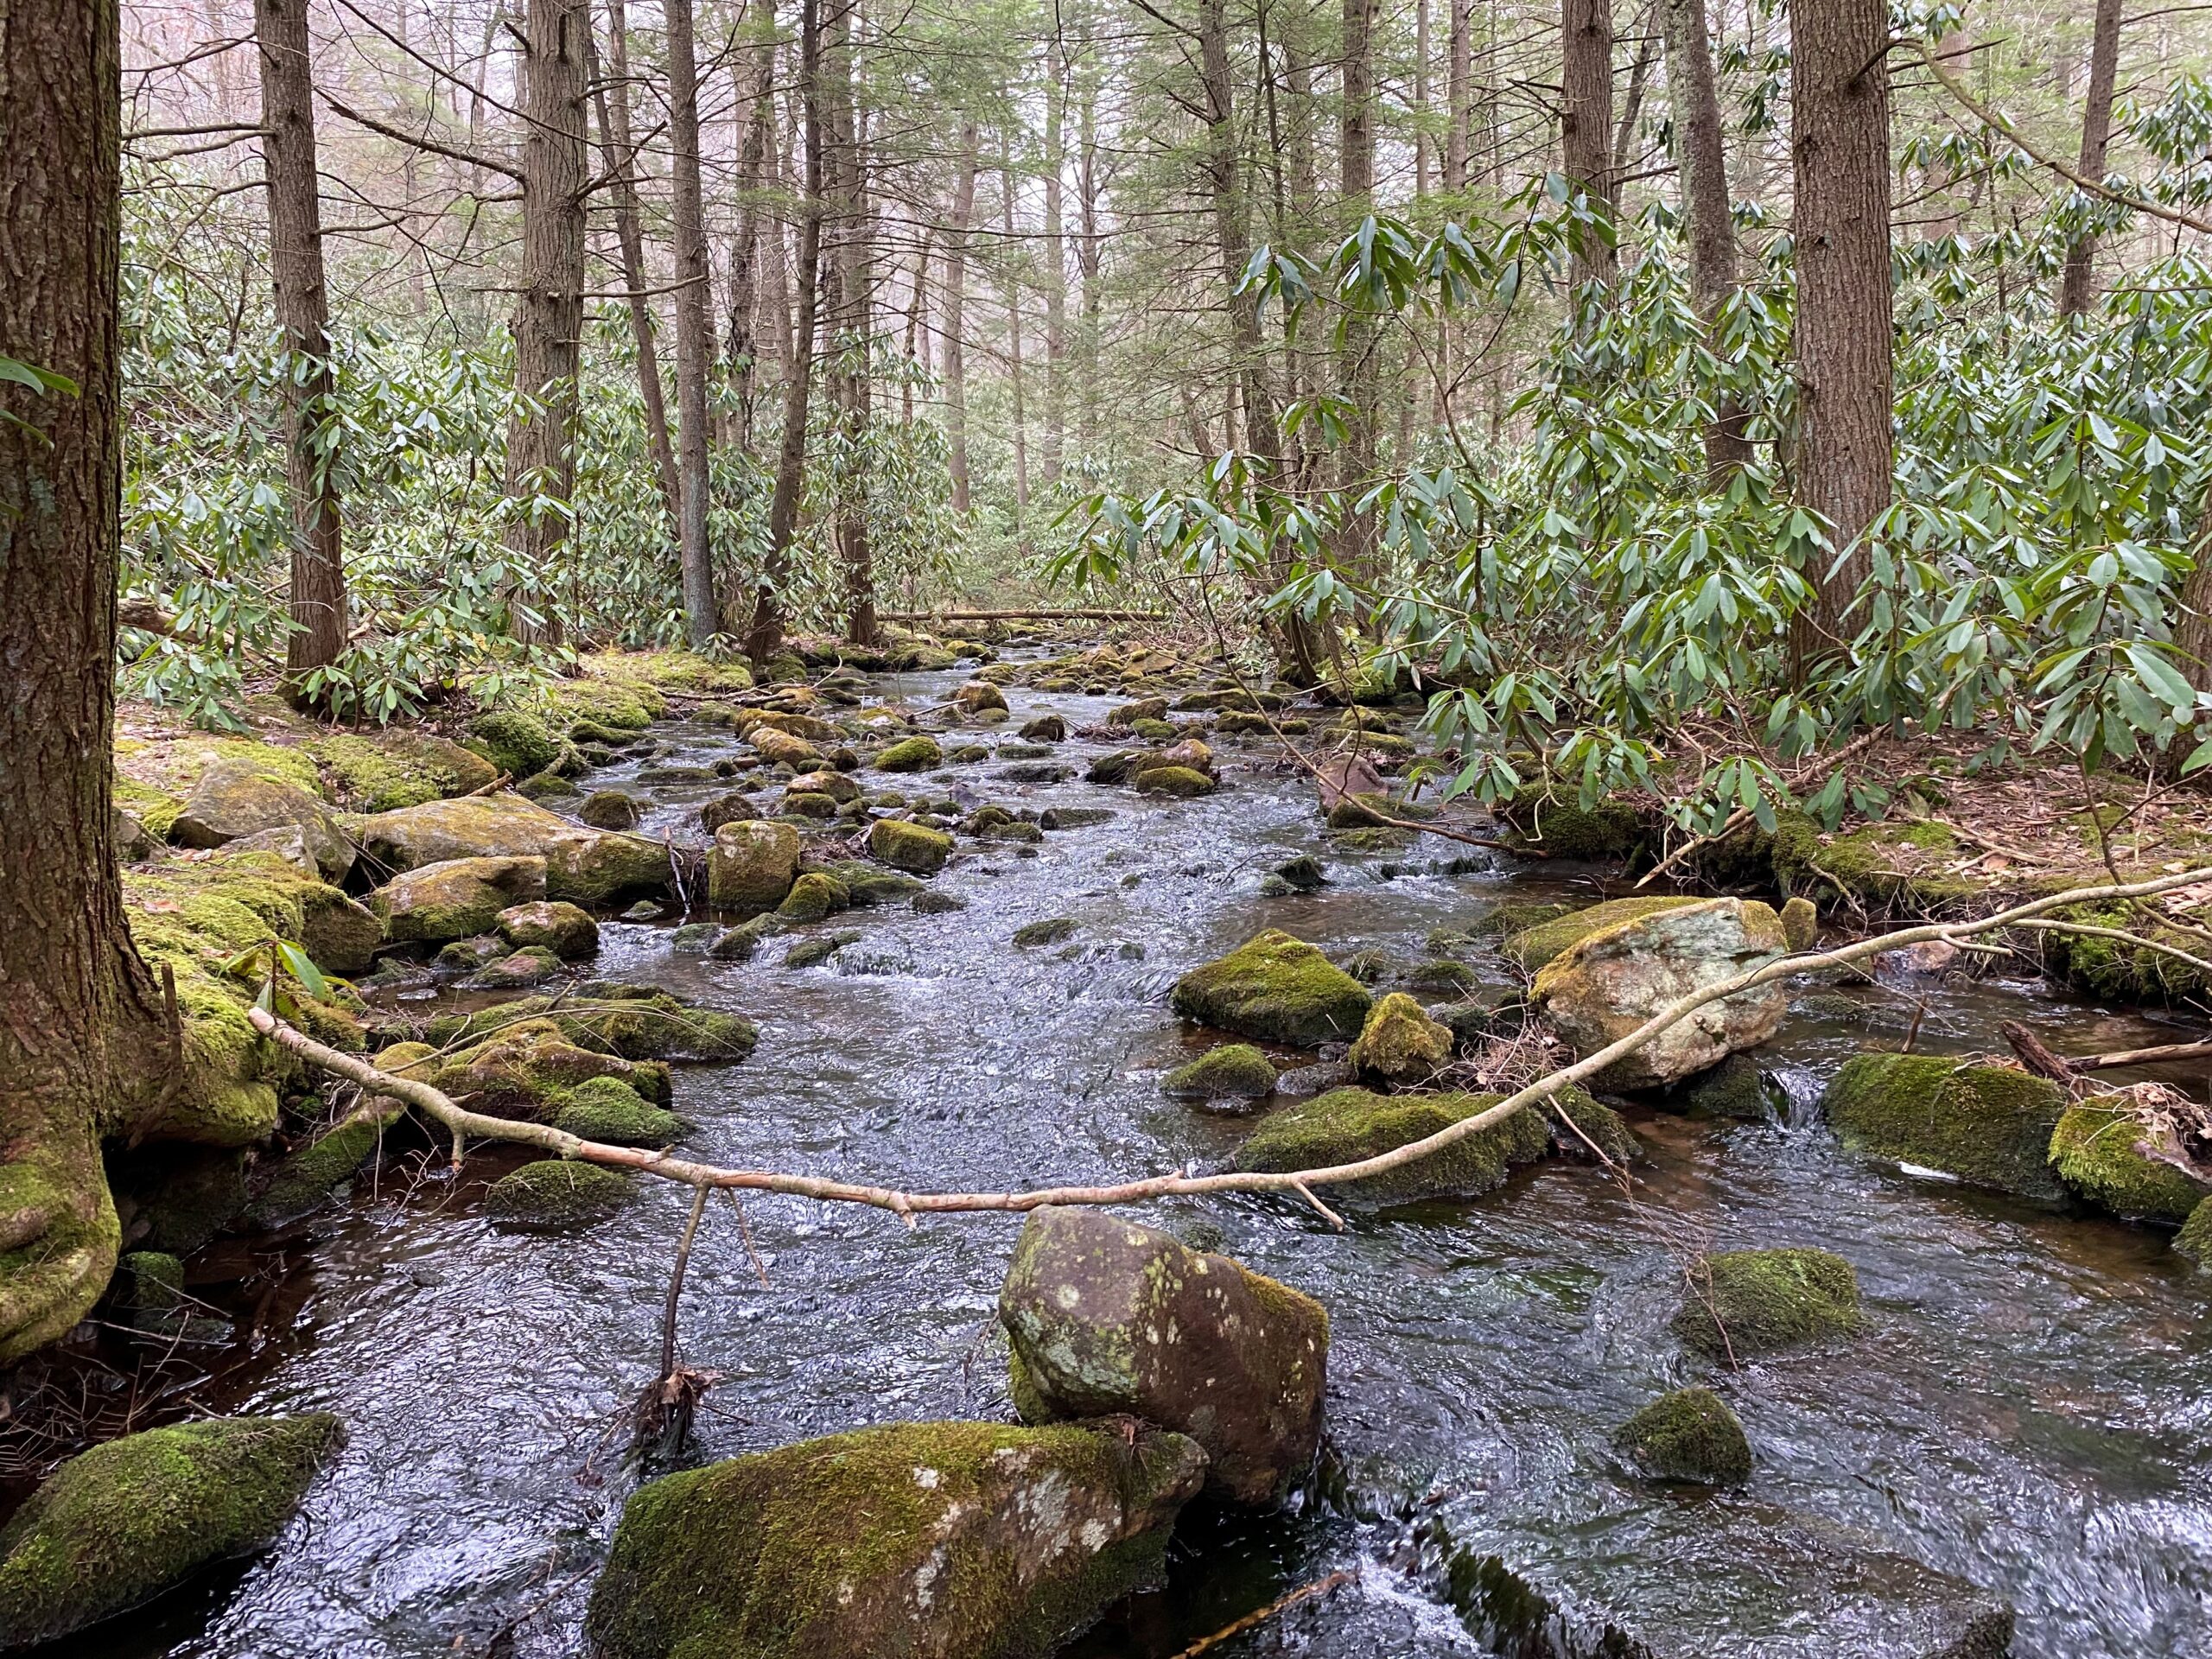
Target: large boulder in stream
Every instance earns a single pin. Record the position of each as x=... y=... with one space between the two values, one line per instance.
x=1347 y=1126
x=582 y=865
x=117 y=1525
x=1108 y=1318
x=458 y=898
x=1277 y=989
x=914 y=848
x=1620 y=973
x=2127 y=1159
x=1689 y=1436
x=1986 y=1125
x=752 y=865
x=928 y=1541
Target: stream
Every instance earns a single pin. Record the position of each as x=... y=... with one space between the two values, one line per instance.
x=2027 y=1421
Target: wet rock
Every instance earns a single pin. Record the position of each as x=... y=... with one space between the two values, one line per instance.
x=752 y=865
x=913 y=848
x=1154 y=731
x=582 y=865
x=558 y=1195
x=1800 y=925
x=1348 y=1125
x=838 y=787
x=1988 y=1635
x=456 y=898
x=1988 y=1125
x=1690 y=1435
x=1588 y=1131
x=523 y=969
x=732 y=808
x=1180 y=783
x=175 y=1199
x=1117 y=767
x=1305 y=1081
x=610 y=1110
x=1236 y=1073
x=1277 y=989
x=1073 y=818
x=1369 y=966
x=565 y=930
x=1615 y=977
x=871 y=884
x=1035 y=772
x=2193 y=1241
x=1045 y=728
x=1108 y=1318
x=944 y=1540
x=547 y=786
x=933 y=903
x=2105 y=1151
x=694 y=938
x=1143 y=709
x=980 y=697
x=785 y=749
x=738 y=944
x=115 y=1527
x=631 y=1022
x=305 y=1180
x=812 y=953
x=813 y=897
x=1399 y=1042
x=149 y=1282
x=644 y=910
x=1747 y=1303
x=810 y=805
x=515 y=741
x=1050 y=931
x=1302 y=875
x=234 y=800
x=610 y=809
x=1734 y=1088
x=967 y=754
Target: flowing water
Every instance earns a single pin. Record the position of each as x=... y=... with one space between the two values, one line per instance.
x=2026 y=1421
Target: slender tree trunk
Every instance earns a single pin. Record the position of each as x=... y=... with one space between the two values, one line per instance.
x=918 y=343
x=1056 y=261
x=1704 y=166
x=1839 y=143
x=855 y=284
x=956 y=319
x=2077 y=289
x=81 y=1039
x=2193 y=627
x=1087 y=253
x=744 y=351
x=694 y=346
x=1585 y=132
x=619 y=159
x=288 y=152
x=549 y=317
x=765 y=637
x=1357 y=376
x=1013 y=336
x=1460 y=96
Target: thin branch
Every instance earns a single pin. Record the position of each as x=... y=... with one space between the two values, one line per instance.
x=428 y=146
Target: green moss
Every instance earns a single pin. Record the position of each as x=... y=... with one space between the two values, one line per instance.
x=674 y=670
x=1595 y=1128
x=635 y=1022
x=1734 y=1088
x=2114 y=970
x=1690 y=1435
x=1399 y=1042
x=870 y=884
x=1231 y=1071
x=1532 y=947
x=2099 y=1150
x=555 y=1195
x=911 y=754
x=514 y=740
x=1052 y=931
x=1276 y=988
x=1989 y=1125
x=115 y=1526
x=1896 y=866
x=913 y=848
x=627 y=707
x=304 y=1180
x=1561 y=827
x=60 y=1218
x=2193 y=1241
x=813 y=896
x=1744 y=1303
x=150 y=1281
x=1347 y=1125
x=393 y=769
x=1183 y=782
x=610 y=1110
x=155 y=808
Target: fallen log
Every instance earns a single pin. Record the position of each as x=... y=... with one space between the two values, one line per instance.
x=2061 y=1067
x=1020 y=615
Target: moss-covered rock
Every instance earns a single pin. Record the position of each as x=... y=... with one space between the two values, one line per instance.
x=515 y=741
x=2116 y=970
x=1734 y=1088
x=1746 y=1303
x=911 y=754
x=582 y=865
x=519 y=970
x=117 y=1525
x=2193 y=1241
x=1690 y=1435
x=1561 y=827
x=557 y=1195
x=632 y=1022
x=870 y=884
x=1053 y=929
x=457 y=899
x=1109 y=1319
x=233 y=801
x=1182 y=783
x=2105 y=1151
x=611 y=809
x=1532 y=946
x=1232 y=1071
x=979 y=696
x=813 y=896
x=149 y=1282
x=1276 y=988
x=752 y=865
x=975 y=1540
x=1800 y=925
x=304 y=1180
x=1988 y=1125
x=566 y=931
x=1346 y=1126
x=379 y=771
x=1399 y=1042
x=610 y=1110
x=1898 y=865
x=913 y=848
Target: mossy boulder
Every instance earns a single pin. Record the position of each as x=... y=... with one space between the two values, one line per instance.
x=752 y=865
x=514 y=740
x=780 y=747
x=558 y=1195
x=233 y=800
x=1743 y=1304
x=1689 y=1436
x=1898 y=865
x=566 y=931
x=582 y=865
x=1053 y=929
x=870 y=884
x=631 y=1022
x=1233 y=1071
x=1559 y=826
x=978 y=1541
x=149 y=1282
x=305 y=1180
x=1277 y=989
x=2118 y=971
x=2193 y=1241
x=2104 y=1151
x=526 y=1067
x=610 y=1110
x=913 y=848
x=978 y=696
x=813 y=896
x=1109 y=1319
x=1346 y=1126
x=1556 y=928
x=1399 y=1042
x=1800 y=925
x=457 y=899
x=1734 y=1088
x=1988 y=1125
x=911 y=754
x=611 y=809
x=1181 y=783
x=377 y=771
x=518 y=970
x=115 y=1527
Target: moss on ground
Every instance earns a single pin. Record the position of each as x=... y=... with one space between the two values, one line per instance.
x=515 y=741
x=1988 y=1125
x=1889 y=865
x=2105 y=1152
x=2114 y=970
x=1559 y=826
x=1348 y=1125
x=1746 y=1303
x=383 y=772
x=1690 y=1435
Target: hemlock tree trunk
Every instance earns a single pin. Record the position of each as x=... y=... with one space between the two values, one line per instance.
x=2078 y=288
x=766 y=636
x=693 y=345
x=1460 y=96
x=1014 y=340
x=956 y=319
x=743 y=350
x=855 y=321
x=1357 y=375
x=1586 y=128
x=1706 y=216
x=1839 y=144
x=549 y=317
x=81 y=1038
x=1086 y=256
x=288 y=160
x=2193 y=627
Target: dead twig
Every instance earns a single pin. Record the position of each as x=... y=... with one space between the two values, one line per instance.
x=1281 y=1604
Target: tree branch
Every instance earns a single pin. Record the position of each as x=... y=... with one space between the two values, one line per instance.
x=428 y=146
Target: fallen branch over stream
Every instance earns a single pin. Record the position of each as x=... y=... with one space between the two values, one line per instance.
x=463 y=1123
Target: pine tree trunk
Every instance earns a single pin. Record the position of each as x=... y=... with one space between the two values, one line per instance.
x=288 y=152
x=956 y=319
x=549 y=317
x=1585 y=132
x=1712 y=226
x=81 y=1039
x=694 y=346
x=1839 y=87
x=2078 y=288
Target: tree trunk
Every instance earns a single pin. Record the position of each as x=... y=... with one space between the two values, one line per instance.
x=855 y=321
x=288 y=153
x=81 y=1040
x=1014 y=338
x=1420 y=98
x=1056 y=262
x=549 y=318
x=693 y=345
x=956 y=319
x=2193 y=627
x=2078 y=288
x=743 y=350
x=1356 y=376
x=1087 y=253
x=619 y=159
x=1712 y=226
x=765 y=637
x=1460 y=95
x=1840 y=96
x=1586 y=128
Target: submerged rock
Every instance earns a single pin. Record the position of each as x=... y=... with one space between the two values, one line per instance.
x=1107 y=1317
x=1347 y=1126
x=1734 y=1088
x=117 y=1525
x=752 y=865
x=1988 y=1125
x=2105 y=1153
x=937 y=1540
x=556 y=1194
x=913 y=848
x=1400 y=1042
x=305 y=1180
x=1746 y=1303
x=1277 y=989
x=457 y=899
x=1690 y=1435
x=1234 y=1071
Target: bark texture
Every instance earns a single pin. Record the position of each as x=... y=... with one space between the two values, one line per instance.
x=1704 y=161
x=694 y=347
x=1586 y=127
x=956 y=318
x=2078 y=288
